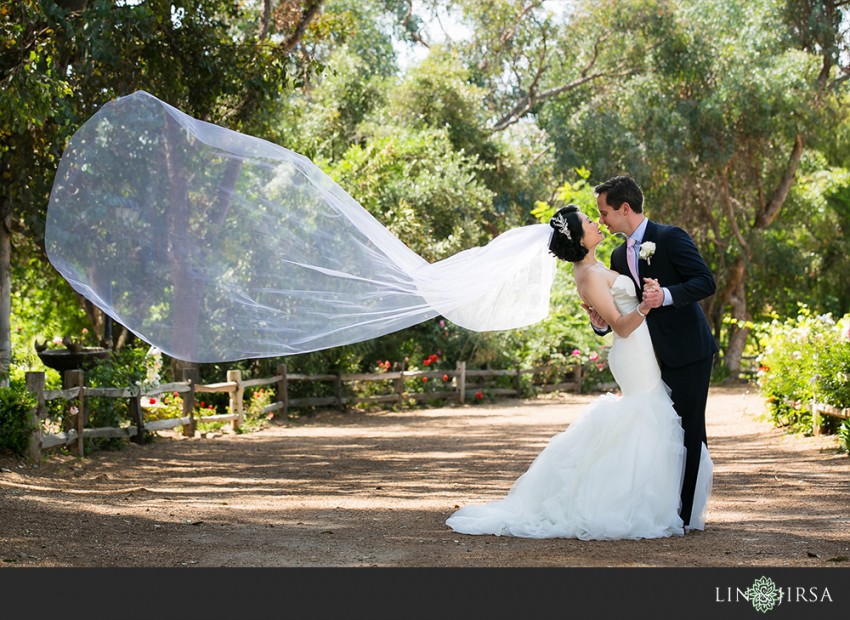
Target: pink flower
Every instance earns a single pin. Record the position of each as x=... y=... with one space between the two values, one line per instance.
x=57 y=340
x=593 y=357
x=442 y=323
x=576 y=353
x=85 y=331
x=600 y=366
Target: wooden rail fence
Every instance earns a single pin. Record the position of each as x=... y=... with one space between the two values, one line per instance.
x=463 y=383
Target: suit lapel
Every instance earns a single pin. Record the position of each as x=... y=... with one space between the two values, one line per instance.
x=642 y=266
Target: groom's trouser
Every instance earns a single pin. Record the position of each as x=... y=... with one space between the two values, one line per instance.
x=689 y=391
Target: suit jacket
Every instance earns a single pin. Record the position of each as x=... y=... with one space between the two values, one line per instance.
x=680 y=332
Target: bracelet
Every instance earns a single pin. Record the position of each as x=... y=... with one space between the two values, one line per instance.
x=637 y=309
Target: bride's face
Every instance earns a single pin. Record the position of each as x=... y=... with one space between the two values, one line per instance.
x=592 y=236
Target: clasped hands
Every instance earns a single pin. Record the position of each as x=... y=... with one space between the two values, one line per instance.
x=653 y=297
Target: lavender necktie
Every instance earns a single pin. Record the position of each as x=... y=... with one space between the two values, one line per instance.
x=630 y=258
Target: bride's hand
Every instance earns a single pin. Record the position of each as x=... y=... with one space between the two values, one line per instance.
x=595 y=318
x=653 y=296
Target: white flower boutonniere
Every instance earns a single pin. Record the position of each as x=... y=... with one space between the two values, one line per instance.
x=647 y=249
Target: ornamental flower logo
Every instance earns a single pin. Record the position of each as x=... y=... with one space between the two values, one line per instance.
x=647 y=249
x=763 y=594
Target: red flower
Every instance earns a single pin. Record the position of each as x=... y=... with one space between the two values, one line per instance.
x=479 y=395
x=445 y=377
x=152 y=401
x=209 y=407
x=426 y=362
x=433 y=357
x=202 y=404
x=600 y=366
x=424 y=379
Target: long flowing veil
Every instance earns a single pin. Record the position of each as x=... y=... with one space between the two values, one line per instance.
x=216 y=246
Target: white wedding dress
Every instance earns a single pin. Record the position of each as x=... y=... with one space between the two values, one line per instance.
x=615 y=473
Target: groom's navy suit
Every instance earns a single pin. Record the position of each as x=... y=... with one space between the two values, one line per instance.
x=680 y=334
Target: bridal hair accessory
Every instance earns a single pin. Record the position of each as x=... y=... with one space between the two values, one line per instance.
x=215 y=246
x=559 y=222
x=647 y=249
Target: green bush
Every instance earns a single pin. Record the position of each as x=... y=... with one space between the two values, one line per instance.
x=128 y=367
x=806 y=359
x=16 y=405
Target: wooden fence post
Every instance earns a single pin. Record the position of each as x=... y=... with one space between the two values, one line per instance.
x=283 y=389
x=236 y=396
x=192 y=376
x=338 y=389
x=399 y=384
x=35 y=385
x=461 y=382
x=577 y=374
x=138 y=418
x=71 y=379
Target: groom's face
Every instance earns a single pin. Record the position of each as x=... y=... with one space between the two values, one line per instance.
x=613 y=219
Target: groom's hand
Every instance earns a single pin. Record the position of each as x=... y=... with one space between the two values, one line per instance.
x=595 y=318
x=653 y=296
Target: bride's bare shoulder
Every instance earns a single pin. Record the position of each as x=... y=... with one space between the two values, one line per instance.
x=593 y=282
x=595 y=275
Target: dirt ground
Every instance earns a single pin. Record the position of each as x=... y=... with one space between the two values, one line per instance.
x=374 y=489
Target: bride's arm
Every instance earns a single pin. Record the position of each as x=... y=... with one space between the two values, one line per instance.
x=597 y=293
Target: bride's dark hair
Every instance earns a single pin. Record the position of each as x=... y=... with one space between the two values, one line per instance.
x=566 y=246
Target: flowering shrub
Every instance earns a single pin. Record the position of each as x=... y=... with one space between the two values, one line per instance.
x=806 y=359
x=255 y=418
x=163 y=406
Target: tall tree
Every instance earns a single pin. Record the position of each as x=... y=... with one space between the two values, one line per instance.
x=215 y=59
x=716 y=126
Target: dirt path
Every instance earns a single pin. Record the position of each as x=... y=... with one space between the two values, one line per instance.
x=374 y=489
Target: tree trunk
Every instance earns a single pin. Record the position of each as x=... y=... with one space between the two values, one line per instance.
x=738 y=331
x=5 y=295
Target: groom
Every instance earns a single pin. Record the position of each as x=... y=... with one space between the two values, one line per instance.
x=680 y=334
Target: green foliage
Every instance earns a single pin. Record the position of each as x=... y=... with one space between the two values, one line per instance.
x=844 y=436
x=421 y=189
x=16 y=405
x=255 y=418
x=130 y=367
x=806 y=359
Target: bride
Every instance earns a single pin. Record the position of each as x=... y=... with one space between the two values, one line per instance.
x=616 y=473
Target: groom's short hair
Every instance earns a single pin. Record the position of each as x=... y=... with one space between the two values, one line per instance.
x=619 y=190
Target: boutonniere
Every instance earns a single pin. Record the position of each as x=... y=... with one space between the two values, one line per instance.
x=647 y=249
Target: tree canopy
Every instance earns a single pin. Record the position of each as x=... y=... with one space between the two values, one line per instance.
x=732 y=115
